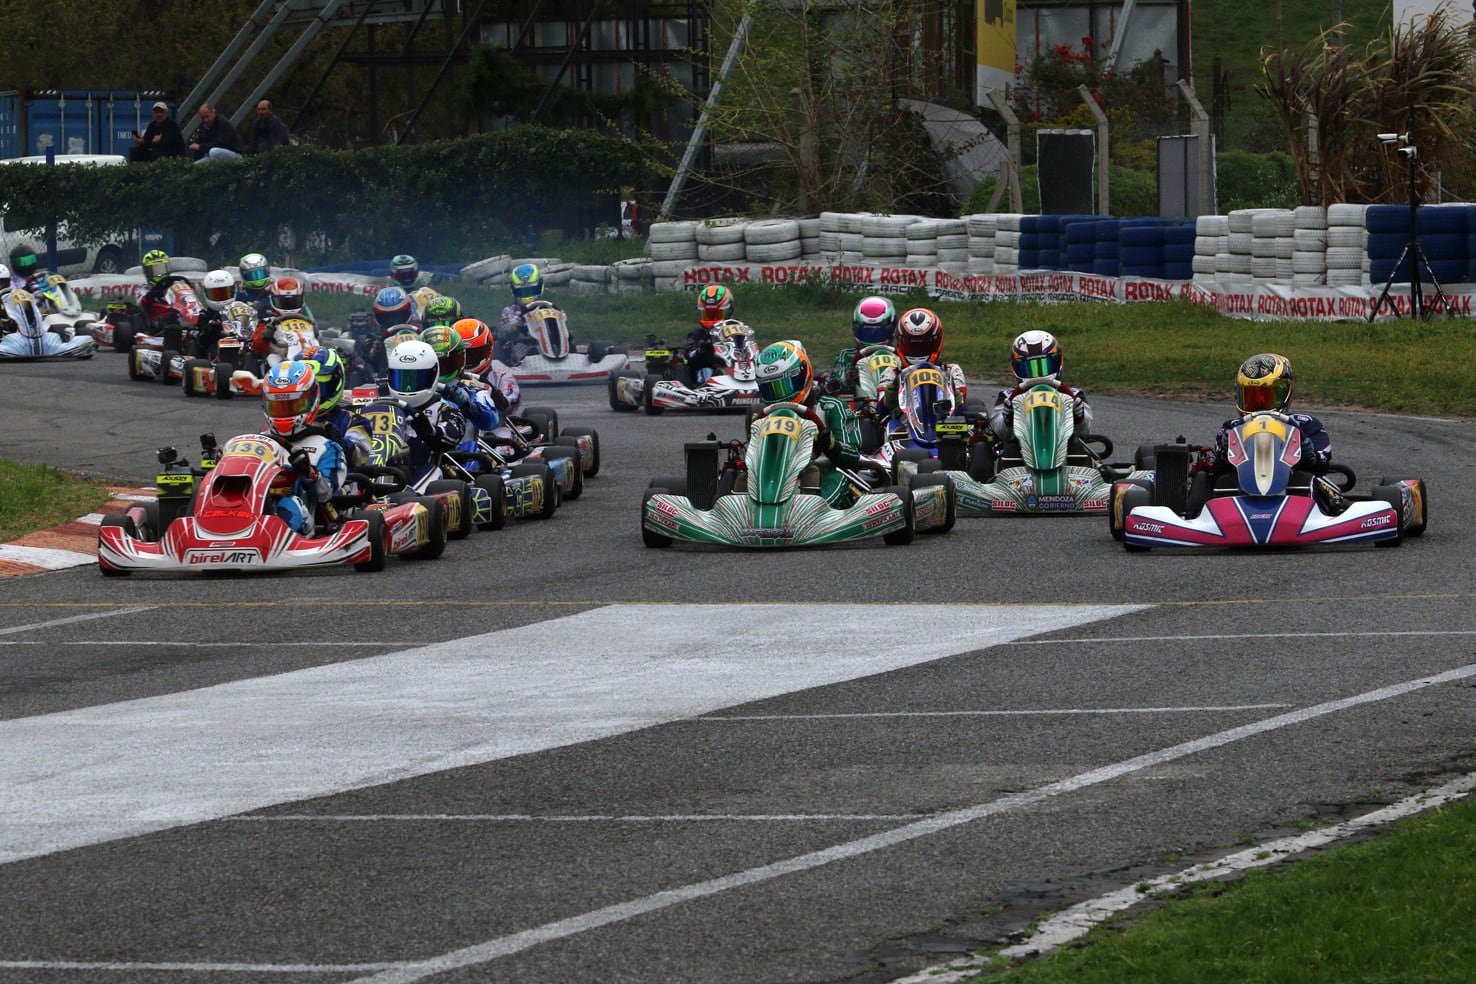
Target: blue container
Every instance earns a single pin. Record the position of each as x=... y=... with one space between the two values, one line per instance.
x=73 y=121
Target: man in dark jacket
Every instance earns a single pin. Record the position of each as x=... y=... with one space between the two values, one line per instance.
x=267 y=132
x=216 y=139
x=161 y=139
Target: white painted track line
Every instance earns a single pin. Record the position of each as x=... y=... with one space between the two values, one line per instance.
x=100 y=773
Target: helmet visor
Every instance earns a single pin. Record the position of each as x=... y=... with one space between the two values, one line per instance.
x=156 y=270
x=479 y=356
x=389 y=319
x=783 y=388
x=414 y=380
x=527 y=292
x=288 y=406
x=256 y=277
x=452 y=363
x=1038 y=366
x=220 y=293
x=1254 y=399
x=25 y=263
x=873 y=334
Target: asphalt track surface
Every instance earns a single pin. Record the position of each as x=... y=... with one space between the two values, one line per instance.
x=554 y=755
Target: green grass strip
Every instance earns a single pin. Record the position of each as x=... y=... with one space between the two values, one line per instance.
x=37 y=497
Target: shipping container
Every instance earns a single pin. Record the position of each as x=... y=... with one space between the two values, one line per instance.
x=73 y=121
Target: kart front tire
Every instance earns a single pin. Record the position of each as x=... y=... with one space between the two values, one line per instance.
x=552 y=494
x=1133 y=496
x=492 y=484
x=545 y=420
x=1416 y=528
x=903 y=536
x=378 y=541
x=462 y=490
x=575 y=459
x=187 y=378
x=1392 y=497
x=950 y=515
x=591 y=463
x=435 y=528
x=223 y=372
x=166 y=356
x=126 y=524
x=652 y=539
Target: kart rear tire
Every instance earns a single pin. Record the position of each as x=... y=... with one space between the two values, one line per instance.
x=437 y=528
x=950 y=515
x=127 y=525
x=223 y=372
x=378 y=541
x=1145 y=457
x=612 y=385
x=462 y=489
x=1416 y=528
x=902 y=537
x=652 y=539
x=1391 y=496
x=123 y=336
x=494 y=488
x=553 y=495
x=915 y=455
x=187 y=378
x=134 y=372
x=545 y=420
x=591 y=463
x=981 y=463
x=596 y=351
x=651 y=408
x=1132 y=497
x=576 y=462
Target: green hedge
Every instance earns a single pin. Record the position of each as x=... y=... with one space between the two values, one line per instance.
x=445 y=200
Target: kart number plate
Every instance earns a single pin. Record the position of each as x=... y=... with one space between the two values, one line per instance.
x=926 y=375
x=787 y=426
x=248 y=447
x=1042 y=398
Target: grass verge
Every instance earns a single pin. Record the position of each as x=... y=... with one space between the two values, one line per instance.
x=1163 y=349
x=37 y=497
x=1398 y=907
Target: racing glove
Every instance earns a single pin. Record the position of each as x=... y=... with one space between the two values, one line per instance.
x=301 y=463
x=499 y=399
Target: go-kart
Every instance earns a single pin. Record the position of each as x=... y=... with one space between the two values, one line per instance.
x=546 y=354
x=872 y=362
x=1269 y=499
x=670 y=382
x=1046 y=468
x=480 y=488
x=219 y=517
x=29 y=339
x=533 y=437
x=767 y=494
x=124 y=322
x=61 y=309
x=231 y=359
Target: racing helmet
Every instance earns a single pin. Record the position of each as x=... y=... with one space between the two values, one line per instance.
x=255 y=273
x=391 y=308
x=155 y=266
x=24 y=261
x=1263 y=383
x=443 y=311
x=404 y=270
x=413 y=368
x=217 y=289
x=527 y=283
x=289 y=396
x=20 y=307
x=330 y=369
x=477 y=338
x=714 y=304
x=784 y=373
x=1036 y=354
x=873 y=322
x=919 y=337
x=450 y=351
x=287 y=295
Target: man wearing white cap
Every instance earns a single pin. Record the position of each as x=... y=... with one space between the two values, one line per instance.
x=161 y=139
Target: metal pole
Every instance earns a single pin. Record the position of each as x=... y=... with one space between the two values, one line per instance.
x=1011 y=174
x=1416 y=300
x=1104 y=184
x=699 y=133
x=1200 y=126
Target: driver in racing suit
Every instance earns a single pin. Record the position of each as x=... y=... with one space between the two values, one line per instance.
x=290 y=399
x=786 y=375
x=1036 y=355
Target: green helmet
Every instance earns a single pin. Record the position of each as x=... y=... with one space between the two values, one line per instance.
x=442 y=311
x=449 y=348
x=330 y=370
x=784 y=373
x=155 y=266
x=255 y=272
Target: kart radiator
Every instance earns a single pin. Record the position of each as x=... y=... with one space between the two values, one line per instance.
x=703 y=464
x=1171 y=476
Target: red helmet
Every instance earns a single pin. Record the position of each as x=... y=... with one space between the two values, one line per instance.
x=477 y=338
x=919 y=337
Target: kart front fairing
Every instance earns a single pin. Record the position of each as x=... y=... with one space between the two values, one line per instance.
x=774 y=511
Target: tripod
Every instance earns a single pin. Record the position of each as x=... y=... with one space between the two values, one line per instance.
x=1418 y=308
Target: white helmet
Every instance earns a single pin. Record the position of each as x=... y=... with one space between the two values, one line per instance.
x=217 y=289
x=413 y=371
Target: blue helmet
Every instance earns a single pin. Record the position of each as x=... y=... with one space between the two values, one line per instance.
x=392 y=307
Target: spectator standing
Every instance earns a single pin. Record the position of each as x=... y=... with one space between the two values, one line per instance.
x=161 y=138
x=267 y=131
x=216 y=139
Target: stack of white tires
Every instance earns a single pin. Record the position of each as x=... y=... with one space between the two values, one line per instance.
x=1007 y=243
x=1347 y=245
x=772 y=240
x=981 y=229
x=721 y=241
x=922 y=243
x=1309 y=241
x=1211 y=239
